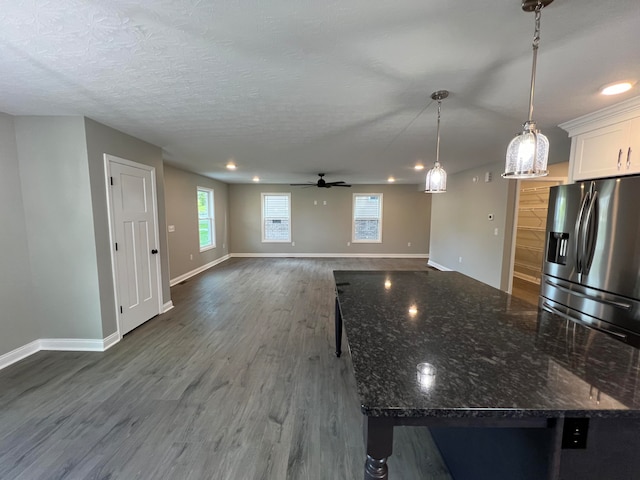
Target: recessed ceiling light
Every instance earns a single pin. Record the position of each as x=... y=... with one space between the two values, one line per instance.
x=256 y=179
x=418 y=167
x=391 y=179
x=231 y=166
x=616 y=88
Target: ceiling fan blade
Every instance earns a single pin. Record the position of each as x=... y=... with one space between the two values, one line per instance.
x=334 y=183
x=342 y=185
x=308 y=184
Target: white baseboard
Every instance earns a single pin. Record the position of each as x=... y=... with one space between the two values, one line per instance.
x=198 y=270
x=167 y=306
x=19 y=353
x=438 y=266
x=59 y=344
x=111 y=340
x=330 y=255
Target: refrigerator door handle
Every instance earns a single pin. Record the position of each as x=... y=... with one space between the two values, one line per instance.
x=578 y=233
x=551 y=309
x=589 y=233
x=622 y=305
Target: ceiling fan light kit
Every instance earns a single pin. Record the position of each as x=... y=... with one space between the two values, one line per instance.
x=436 y=181
x=528 y=152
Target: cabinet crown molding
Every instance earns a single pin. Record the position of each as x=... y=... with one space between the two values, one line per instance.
x=619 y=112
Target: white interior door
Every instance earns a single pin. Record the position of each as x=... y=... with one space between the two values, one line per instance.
x=135 y=249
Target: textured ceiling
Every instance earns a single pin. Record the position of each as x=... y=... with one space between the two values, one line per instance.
x=288 y=89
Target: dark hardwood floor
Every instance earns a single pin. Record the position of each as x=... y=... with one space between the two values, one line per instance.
x=238 y=381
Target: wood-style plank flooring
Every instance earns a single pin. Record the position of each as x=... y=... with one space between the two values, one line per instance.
x=238 y=381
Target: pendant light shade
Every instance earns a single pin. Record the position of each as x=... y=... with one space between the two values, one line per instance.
x=528 y=152
x=436 y=181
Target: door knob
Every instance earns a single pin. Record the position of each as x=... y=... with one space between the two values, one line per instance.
x=154 y=251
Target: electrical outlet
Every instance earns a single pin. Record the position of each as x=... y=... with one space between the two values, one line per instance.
x=324 y=202
x=191 y=256
x=459 y=259
x=293 y=244
x=348 y=244
x=315 y=202
x=408 y=244
x=495 y=232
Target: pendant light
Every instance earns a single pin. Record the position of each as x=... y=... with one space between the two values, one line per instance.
x=436 y=177
x=528 y=152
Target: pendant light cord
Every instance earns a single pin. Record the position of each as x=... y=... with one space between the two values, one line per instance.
x=536 y=43
x=438 y=138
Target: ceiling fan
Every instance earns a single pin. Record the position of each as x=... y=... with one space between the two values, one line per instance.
x=321 y=183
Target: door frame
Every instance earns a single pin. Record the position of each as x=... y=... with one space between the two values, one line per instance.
x=108 y=159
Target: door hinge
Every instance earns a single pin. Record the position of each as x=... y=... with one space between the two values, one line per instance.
x=121 y=309
x=111 y=180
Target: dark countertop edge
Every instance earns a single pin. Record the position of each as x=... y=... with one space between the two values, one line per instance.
x=479 y=412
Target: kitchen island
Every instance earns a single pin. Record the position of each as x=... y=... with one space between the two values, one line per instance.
x=554 y=398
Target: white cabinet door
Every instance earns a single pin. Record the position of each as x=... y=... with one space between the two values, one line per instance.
x=602 y=152
x=632 y=155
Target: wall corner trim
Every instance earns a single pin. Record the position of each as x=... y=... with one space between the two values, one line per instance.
x=167 y=306
x=59 y=344
x=182 y=278
x=439 y=267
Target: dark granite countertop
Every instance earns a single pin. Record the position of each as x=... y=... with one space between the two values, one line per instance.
x=493 y=355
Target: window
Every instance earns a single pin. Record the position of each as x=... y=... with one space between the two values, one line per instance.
x=276 y=217
x=367 y=217
x=206 y=219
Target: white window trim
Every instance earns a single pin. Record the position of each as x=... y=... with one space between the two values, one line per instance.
x=212 y=217
x=353 y=218
x=265 y=194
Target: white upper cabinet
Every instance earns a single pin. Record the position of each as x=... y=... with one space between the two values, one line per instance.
x=605 y=143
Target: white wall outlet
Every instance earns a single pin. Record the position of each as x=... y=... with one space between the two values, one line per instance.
x=348 y=244
x=488 y=176
x=495 y=231
x=408 y=244
x=324 y=202
x=293 y=244
x=490 y=216
x=315 y=202
x=171 y=228
x=459 y=259
x=191 y=256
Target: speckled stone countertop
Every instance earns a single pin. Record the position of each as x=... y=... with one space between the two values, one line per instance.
x=491 y=354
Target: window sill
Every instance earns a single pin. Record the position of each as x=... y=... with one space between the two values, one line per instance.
x=204 y=249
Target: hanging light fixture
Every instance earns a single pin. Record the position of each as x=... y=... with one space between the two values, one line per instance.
x=436 y=177
x=528 y=152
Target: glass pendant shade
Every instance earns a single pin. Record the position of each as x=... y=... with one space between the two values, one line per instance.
x=527 y=154
x=436 y=180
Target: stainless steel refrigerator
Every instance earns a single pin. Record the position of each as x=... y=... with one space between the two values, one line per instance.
x=591 y=271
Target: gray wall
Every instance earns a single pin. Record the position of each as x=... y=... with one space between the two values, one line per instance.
x=327 y=228
x=101 y=139
x=182 y=213
x=460 y=228
x=18 y=323
x=57 y=202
